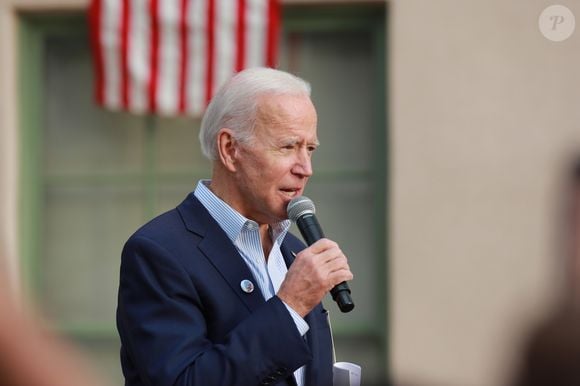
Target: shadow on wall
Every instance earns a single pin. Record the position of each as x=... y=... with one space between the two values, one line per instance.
x=550 y=354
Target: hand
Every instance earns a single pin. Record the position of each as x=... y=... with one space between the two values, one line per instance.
x=314 y=272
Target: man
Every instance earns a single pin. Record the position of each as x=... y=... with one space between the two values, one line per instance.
x=216 y=291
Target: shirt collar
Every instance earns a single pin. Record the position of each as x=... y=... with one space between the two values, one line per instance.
x=230 y=220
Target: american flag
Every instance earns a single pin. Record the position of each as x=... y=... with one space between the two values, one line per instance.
x=169 y=56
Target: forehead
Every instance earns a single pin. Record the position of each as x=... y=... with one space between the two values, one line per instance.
x=280 y=115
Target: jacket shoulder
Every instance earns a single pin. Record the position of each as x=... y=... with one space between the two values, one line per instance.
x=170 y=224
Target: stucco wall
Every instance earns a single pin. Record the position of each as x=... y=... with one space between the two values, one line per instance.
x=484 y=116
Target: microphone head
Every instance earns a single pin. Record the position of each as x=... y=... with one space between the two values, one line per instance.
x=300 y=206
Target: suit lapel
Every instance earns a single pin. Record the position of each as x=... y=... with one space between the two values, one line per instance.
x=288 y=253
x=219 y=250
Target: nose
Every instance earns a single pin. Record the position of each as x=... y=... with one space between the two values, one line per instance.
x=303 y=165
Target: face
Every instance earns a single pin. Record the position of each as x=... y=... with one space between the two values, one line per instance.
x=275 y=166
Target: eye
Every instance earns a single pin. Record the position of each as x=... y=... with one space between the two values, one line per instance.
x=288 y=146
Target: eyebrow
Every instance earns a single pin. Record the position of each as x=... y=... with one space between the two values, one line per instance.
x=294 y=140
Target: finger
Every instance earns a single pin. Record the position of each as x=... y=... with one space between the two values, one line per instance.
x=342 y=270
x=339 y=276
x=336 y=280
x=334 y=263
x=321 y=246
x=333 y=255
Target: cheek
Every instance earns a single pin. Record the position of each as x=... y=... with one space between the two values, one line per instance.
x=276 y=173
x=273 y=167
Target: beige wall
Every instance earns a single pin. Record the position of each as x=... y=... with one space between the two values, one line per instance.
x=485 y=112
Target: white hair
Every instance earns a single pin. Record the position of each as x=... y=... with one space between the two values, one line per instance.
x=235 y=104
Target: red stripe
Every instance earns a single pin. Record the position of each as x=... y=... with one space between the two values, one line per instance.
x=241 y=36
x=210 y=49
x=124 y=29
x=273 y=30
x=95 y=18
x=154 y=55
x=184 y=55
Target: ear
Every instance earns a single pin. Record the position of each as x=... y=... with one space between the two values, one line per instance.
x=226 y=144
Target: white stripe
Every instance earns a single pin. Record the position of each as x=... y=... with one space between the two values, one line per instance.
x=111 y=38
x=197 y=18
x=139 y=54
x=225 y=24
x=168 y=86
x=256 y=17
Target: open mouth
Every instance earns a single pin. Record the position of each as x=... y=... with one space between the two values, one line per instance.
x=291 y=192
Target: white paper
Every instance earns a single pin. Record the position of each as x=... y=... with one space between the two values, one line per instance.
x=346 y=374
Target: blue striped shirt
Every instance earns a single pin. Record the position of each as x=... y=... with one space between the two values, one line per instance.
x=245 y=235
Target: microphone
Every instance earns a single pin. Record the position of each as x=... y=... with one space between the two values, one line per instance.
x=301 y=211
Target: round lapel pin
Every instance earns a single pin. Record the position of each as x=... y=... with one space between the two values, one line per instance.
x=247 y=286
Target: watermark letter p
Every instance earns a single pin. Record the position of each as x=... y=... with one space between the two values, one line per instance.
x=556 y=20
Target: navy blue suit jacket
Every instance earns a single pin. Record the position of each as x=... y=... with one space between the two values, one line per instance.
x=184 y=319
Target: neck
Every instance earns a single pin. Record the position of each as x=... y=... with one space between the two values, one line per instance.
x=266 y=239
x=221 y=185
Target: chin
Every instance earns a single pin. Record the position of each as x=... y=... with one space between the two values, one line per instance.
x=280 y=215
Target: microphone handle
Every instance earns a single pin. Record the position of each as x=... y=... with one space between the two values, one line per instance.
x=311 y=231
x=310 y=228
